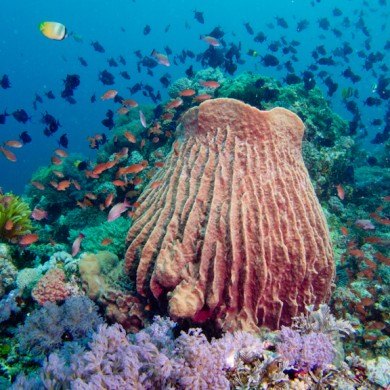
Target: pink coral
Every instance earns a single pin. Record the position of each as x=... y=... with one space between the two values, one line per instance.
x=51 y=287
x=234 y=235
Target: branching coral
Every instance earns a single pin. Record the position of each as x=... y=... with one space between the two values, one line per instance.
x=14 y=217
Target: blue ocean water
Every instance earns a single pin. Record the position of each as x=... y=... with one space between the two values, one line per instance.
x=36 y=65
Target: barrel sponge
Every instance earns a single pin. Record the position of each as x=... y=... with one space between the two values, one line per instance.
x=234 y=236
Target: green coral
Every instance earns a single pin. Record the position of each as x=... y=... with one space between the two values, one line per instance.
x=94 y=235
x=13 y=208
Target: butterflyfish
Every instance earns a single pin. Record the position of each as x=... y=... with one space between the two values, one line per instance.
x=53 y=30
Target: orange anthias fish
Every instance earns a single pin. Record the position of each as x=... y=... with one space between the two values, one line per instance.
x=202 y=97
x=187 y=92
x=61 y=153
x=39 y=214
x=161 y=58
x=106 y=241
x=130 y=137
x=56 y=160
x=76 y=244
x=110 y=94
x=8 y=154
x=209 y=84
x=340 y=192
x=122 y=111
x=63 y=185
x=13 y=144
x=130 y=103
x=109 y=199
x=210 y=40
x=9 y=225
x=99 y=168
x=135 y=168
x=38 y=185
x=174 y=103
x=28 y=239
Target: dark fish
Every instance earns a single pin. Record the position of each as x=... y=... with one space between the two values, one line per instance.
x=168 y=50
x=149 y=62
x=122 y=60
x=332 y=86
x=337 y=32
x=93 y=98
x=50 y=95
x=165 y=81
x=308 y=80
x=147 y=29
x=2 y=117
x=323 y=23
x=111 y=62
x=190 y=72
x=270 y=60
x=110 y=114
x=260 y=37
x=217 y=33
x=47 y=119
x=82 y=61
x=125 y=75
x=249 y=28
x=82 y=165
x=274 y=46
x=138 y=54
x=108 y=122
x=4 y=82
x=190 y=54
x=98 y=47
x=372 y=101
x=348 y=74
x=135 y=88
x=337 y=12
x=326 y=61
x=302 y=25
x=382 y=137
x=21 y=116
x=167 y=28
x=281 y=22
x=376 y=122
x=292 y=78
x=106 y=77
x=118 y=98
x=38 y=98
x=199 y=16
x=25 y=137
x=289 y=67
x=63 y=141
x=72 y=81
x=71 y=100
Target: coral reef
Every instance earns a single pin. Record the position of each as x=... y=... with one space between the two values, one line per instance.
x=155 y=359
x=52 y=287
x=46 y=328
x=14 y=217
x=235 y=206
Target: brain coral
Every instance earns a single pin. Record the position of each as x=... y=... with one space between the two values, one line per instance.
x=234 y=236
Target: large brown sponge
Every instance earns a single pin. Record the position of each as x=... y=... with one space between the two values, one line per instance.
x=234 y=235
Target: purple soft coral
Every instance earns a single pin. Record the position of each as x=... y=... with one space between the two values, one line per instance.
x=307 y=351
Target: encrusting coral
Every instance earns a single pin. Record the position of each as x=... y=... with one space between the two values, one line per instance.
x=234 y=234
